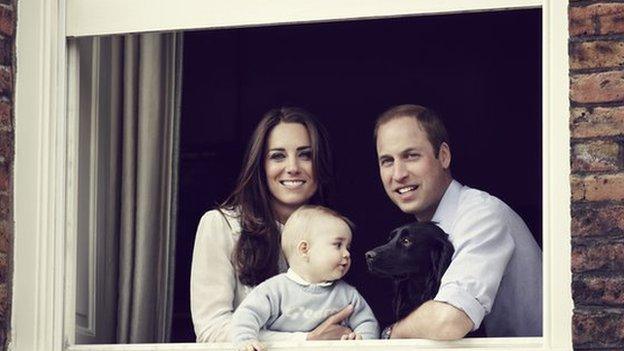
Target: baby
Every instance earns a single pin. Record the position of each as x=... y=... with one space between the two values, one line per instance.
x=315 y=242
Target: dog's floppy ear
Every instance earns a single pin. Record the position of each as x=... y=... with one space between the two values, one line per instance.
x=444 y=258
x=440 y=259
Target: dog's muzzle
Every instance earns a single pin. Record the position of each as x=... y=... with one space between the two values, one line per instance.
x=371 y=256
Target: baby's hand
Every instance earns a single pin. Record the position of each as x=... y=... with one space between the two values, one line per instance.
x=351 y=336
x=251 y=345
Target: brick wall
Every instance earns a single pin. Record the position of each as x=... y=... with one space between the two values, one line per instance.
x=597 y=152
x=7 y=69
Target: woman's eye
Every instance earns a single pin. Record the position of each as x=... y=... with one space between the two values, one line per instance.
x=277 y=156
x=306 y=155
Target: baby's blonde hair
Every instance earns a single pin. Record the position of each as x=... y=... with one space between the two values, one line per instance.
x=297 y=227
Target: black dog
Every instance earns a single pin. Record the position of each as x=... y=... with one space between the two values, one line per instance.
x=416 y=257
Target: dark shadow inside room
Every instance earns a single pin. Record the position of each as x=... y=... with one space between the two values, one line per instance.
x=481 y=72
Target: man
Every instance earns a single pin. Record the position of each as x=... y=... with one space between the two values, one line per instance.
x=495 y=277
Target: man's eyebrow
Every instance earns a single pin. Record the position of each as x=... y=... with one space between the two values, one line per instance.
x=414 y=148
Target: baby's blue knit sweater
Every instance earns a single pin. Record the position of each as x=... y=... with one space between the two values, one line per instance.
x=283 y=304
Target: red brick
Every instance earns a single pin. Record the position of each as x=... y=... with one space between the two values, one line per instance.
x=594 y=221
x=593 y=290
x=601 y=155
x=581 y=21
x=577 y=187
x=604 y=328
x=5 y=303
x=611 y=17
x=596 y=54
x=4 y=267
x=6 y=146
x=6 y=233
x=6 y=80
x=597 y=122
x=7 y=21
x=6 y=205
x=596 y=19
x=6 y=51
x=597 y=87
x=604 y=255
x=5 y=176
x=598 y=187
x=3 y=328
x=5 y=115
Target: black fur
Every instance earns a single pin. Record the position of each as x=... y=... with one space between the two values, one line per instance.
x=415 y=257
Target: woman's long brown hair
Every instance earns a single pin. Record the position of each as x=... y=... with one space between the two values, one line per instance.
x=257 y=252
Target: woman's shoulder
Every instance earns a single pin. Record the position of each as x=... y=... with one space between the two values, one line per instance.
x=222 y=218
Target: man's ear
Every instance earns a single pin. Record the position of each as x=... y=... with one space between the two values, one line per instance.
x=444 y=155
x=302 y=249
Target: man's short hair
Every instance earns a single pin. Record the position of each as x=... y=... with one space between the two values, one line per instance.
x=299 y=225
x=428 y=119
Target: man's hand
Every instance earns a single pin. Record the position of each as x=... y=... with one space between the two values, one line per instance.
x=433 y=320
x=331 y=329
x=251 y=345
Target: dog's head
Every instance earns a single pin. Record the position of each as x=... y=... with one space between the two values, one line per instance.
x=416 y=249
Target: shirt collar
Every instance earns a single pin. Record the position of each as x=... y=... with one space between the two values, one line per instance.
x=445 y=213
x=299 y=280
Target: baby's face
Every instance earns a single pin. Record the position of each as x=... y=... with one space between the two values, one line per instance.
x=329 y=257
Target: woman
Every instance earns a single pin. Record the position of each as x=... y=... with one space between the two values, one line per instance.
x=287 y=164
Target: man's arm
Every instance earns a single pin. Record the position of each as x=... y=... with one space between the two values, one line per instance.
x=483 y=247
x=433 y=320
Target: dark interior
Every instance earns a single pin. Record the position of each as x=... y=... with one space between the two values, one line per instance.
x=481 y=72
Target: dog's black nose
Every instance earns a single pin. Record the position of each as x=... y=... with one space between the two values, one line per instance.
x=370 y=255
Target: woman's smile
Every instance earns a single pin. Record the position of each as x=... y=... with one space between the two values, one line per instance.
x=289 y=169
x=293 y=183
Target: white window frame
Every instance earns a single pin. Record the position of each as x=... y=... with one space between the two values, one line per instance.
x=46 y=150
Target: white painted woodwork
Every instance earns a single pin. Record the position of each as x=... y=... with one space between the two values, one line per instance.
x=41 y=167
x=96 y=17
x=47 y=143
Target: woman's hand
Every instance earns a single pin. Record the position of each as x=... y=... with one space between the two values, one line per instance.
x=331 y=329
x=251 y=345
x=351 y=336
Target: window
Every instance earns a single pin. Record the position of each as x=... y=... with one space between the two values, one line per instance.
x=347 y=73
x=53 y=177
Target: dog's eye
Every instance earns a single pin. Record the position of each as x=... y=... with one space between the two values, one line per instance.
x=406 y=242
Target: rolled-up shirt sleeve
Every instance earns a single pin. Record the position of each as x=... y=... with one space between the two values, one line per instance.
x=483 y=247
x=213 y=279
